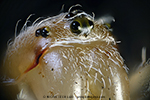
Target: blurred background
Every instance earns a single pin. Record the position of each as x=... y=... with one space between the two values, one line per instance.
x=131 y=25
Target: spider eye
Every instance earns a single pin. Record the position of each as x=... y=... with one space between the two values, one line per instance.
x=44 y=32
x=75 y=27
x=38 y=32
x=69 y=15
x=81 y=25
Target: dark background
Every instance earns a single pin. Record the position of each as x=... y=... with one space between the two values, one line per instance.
x=131 y=25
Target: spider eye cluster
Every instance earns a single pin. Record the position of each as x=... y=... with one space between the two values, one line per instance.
x=44 y=32
x=81 y=22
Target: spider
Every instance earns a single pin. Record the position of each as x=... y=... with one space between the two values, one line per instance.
x=72 y=56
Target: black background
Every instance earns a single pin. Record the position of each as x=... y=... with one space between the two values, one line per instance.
x=131 y=25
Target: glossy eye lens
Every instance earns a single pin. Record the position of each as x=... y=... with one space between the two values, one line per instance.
x=44 y=32
x=75 y=27
x=69 y=15
x=38 y=32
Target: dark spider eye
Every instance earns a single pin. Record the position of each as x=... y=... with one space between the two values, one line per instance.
x=38 y=32
x=69 y=15
x=75 y=27
x=44 y=32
